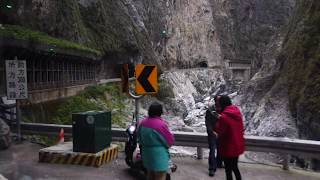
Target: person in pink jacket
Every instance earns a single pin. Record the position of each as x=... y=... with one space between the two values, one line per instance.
x=155 y=139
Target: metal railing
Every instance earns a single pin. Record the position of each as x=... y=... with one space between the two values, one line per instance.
x=284 y=146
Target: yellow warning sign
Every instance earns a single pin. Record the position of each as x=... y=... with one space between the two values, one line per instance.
x=146 y=79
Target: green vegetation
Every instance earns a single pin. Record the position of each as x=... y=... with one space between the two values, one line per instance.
x=103 y=97
x=23 y=33
x=74 y=105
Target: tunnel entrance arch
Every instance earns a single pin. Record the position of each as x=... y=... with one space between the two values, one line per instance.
x=203 y=64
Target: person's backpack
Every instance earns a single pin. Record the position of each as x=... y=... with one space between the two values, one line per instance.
x=210 y=118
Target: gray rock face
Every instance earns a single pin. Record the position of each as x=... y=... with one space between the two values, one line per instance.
x=300 y=57
x=270 y=115
x=206 y=32
x=170 y=33
x=192 y=86
x=246 y=27
x=181 y=34
x=264 y=101
x=113 y=27
x=194 y=90
x=192 y=40
x=282 y=87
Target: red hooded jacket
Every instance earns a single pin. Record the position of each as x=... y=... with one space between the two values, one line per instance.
x=230 y=132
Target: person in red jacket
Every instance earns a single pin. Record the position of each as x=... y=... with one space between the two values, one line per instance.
x=230 y=131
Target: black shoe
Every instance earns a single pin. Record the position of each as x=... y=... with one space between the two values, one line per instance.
x=211 y=173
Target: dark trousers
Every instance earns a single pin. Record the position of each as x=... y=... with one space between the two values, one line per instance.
x=213 y=160
x=231 y=165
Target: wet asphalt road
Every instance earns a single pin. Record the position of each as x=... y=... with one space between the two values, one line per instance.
x=20 y=162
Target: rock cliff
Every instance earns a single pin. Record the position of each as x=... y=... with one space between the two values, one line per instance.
x=287 y=85
x=280 y=38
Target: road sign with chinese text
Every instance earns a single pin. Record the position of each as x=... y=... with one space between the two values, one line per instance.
x=16 y=72
x=146 y=79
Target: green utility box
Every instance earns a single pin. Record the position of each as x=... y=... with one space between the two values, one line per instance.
x=91 y=131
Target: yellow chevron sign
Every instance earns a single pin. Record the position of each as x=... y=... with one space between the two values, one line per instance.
x=146 y=79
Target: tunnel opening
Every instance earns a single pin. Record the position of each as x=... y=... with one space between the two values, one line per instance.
x=203 y=64
x=113 y=62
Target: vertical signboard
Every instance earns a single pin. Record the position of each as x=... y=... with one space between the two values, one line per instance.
x=16 y=72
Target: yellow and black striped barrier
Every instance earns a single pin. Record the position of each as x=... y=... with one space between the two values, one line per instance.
x=52 y=155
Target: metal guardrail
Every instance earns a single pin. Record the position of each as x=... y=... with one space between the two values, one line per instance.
x=285 y=146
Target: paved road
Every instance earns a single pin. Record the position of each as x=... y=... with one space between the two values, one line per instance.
x=20 y=163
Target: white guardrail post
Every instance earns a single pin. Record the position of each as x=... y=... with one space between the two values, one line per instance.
x=285 y=162
x=199 y=153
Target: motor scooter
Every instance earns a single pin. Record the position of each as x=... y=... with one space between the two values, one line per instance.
x=132 y=152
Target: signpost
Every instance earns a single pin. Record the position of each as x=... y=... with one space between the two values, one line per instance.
x=16 y=73
x=146 y=83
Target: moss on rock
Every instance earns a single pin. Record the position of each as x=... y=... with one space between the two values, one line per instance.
x=23 y=33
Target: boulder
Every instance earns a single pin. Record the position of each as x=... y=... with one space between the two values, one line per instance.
x=5 y=139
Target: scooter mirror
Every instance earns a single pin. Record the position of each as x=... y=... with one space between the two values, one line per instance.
x=132 y=129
